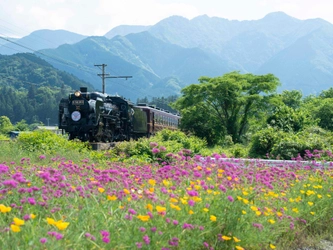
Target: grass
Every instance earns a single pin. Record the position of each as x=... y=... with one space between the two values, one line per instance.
x=78 y=199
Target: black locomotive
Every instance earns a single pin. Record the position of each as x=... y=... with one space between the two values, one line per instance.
x=99 y=117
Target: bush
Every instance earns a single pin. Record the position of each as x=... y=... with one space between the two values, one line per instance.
x=264 y=140
x=47 y=142
x=300 y=143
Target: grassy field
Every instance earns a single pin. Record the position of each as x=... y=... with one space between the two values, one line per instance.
x=65 y=196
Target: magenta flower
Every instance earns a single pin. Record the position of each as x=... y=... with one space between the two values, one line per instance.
x=175 y=222
x=146 y=239
x=43 y=240
x=106 y=240
x=42 y=157
x=138 y=245
x=155 y=150
x=230 y=198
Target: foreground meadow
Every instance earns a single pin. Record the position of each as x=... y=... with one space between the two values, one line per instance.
x=186 y=201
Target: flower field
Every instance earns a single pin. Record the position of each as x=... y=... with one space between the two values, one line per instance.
x=189 y=202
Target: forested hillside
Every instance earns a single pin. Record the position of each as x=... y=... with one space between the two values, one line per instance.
x=31 y=88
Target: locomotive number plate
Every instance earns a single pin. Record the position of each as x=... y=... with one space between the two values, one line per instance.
x=78 y=102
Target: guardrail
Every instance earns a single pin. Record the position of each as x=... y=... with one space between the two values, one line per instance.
x=260 y=162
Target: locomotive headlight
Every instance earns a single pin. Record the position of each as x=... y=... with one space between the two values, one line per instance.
x=77 y=93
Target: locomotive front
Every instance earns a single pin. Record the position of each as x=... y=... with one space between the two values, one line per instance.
x=77 y=115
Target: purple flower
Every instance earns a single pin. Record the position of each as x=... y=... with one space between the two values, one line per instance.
x=153 y=144
x=191 y=203
x=230 y=198
x=11 y=183
x=155 y=150
x=175 y=222
x=206 y=245
x=142 y=229
x=42 y=157
x=222 y=188
x=153 y=229
x=105 y=233
x=138 y=245
x=132 y=211
x=106 y=240
x=292 y=226
x=32 y=201
x=146 y=239
x=43 y=240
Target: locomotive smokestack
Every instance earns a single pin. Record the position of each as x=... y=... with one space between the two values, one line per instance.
x=83 y=89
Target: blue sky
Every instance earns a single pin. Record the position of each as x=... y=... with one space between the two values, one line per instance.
x=96 y=17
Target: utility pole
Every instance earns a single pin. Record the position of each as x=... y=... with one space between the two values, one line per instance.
x=48 y=121
x=103 y=75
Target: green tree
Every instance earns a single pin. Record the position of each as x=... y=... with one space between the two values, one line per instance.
x=290 y=120
x=5 y=125
x=292 y=98
x=230 y=100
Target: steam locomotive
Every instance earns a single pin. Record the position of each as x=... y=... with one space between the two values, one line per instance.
x=99 y=117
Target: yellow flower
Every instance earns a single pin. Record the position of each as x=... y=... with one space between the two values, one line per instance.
x=160 y=209
x=61 y=225
x=258 y=213
x=295 y=210
x=50 y=221
x=32 y=216
x=112 y=198
x=126 y=191
x=312 y=213
x=245 y=193
x=239 y=248
x=4 y=209
x=173 y=200
x=254 y=208
x=15 y=228
x=143 y=217
x=205 y=209
x=243 y=212
x=196 y=199
x=166 y=183
x=149 y=207
x=190 y=212
x=245 y=201
x=236 y=239
x=272 y=246
x=279 y=214
x=18 y=222
x=271 y=221
x=229 y=178
x=319 y=196
x=152 y=182
x=175 y=207
x=213 y=218
x=310 y=203
x=151 y=190
x=101 y=190
x=226 y=237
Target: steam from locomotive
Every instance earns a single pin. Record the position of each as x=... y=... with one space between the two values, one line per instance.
x=99 y=117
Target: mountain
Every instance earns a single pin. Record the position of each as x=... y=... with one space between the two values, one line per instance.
x=38 y=40
x=123 y=30
x=176 y=51
x=158 y=68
